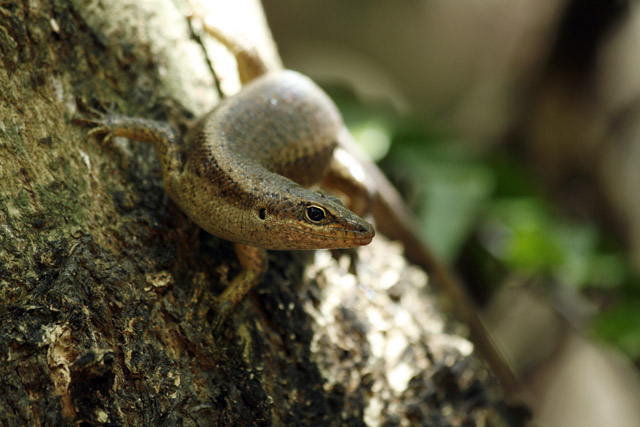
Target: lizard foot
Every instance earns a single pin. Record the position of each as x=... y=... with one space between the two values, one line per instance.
x=96 y=119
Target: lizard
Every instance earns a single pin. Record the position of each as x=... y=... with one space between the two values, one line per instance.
x=243 y=173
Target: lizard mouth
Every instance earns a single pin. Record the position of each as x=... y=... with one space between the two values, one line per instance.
x=357 y=235
x=363 y=235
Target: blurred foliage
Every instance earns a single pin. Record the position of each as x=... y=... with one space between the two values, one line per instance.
x=490 y=208
x=620 y=325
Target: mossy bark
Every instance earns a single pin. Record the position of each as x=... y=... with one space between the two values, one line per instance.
x=106 y=287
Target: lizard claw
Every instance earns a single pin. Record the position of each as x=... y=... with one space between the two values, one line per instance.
x=94 y=118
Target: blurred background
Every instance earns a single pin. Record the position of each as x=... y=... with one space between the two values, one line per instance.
x=512 y=128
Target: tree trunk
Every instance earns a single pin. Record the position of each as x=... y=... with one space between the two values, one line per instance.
x=106 y=286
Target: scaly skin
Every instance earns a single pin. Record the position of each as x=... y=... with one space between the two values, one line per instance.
x=242 y=170
x=249 y=159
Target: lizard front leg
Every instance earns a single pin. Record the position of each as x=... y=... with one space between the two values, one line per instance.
x=254 y=264
x=163 y=135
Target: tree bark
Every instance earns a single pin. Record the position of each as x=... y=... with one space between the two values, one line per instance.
x=106 y=286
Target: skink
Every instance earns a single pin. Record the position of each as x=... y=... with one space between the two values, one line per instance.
x=243 y=173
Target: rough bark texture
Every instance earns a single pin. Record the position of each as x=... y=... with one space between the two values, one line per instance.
x=106 y=287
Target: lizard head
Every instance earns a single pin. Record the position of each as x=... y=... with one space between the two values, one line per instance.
x=314 y=221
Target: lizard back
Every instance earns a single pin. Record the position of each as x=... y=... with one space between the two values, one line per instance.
x=280 y=122
x=248 y=163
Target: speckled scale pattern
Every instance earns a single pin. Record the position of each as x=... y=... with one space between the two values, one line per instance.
x=241 y=173
x=255 y=153
x=280 y=121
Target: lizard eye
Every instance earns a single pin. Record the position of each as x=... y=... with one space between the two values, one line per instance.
x=315 y=213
